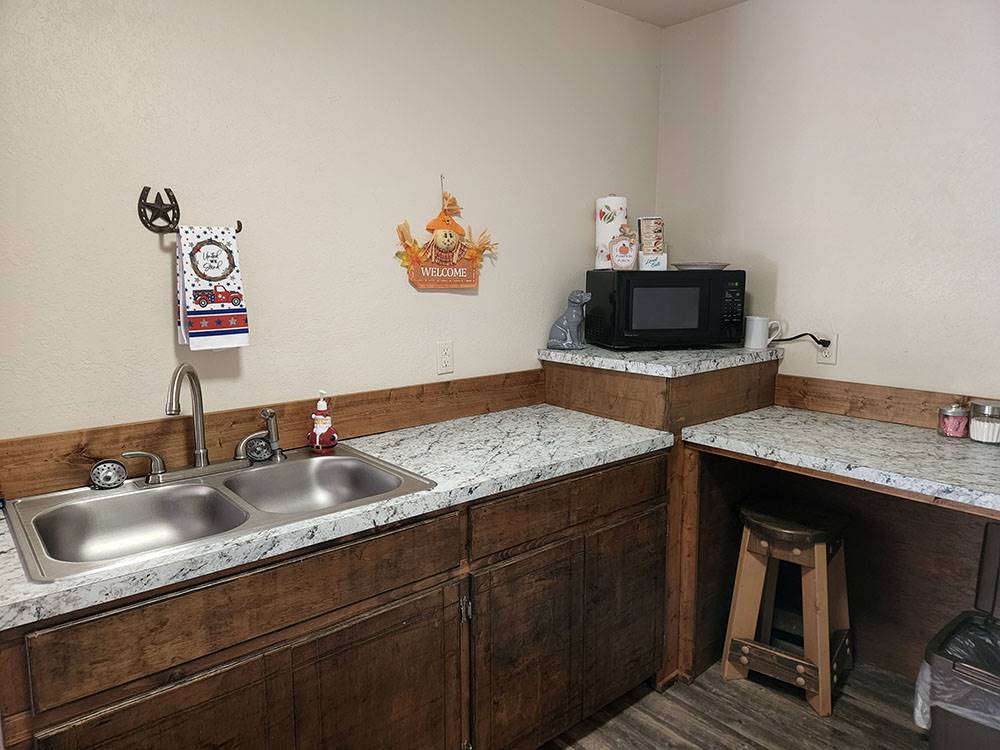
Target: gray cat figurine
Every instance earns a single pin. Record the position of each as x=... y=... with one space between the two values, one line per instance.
x=567 y=331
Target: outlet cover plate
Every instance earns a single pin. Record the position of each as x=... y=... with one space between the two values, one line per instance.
x=445 y=357
x=828 y=355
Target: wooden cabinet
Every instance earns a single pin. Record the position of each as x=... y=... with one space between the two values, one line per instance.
x=562 y=631
x=527 y=642
x=623 y=606
x=87 y=656
x=242 y=706
x=502 y=622
x=391 y=679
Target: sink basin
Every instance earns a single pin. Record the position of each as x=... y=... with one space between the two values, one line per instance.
x=320 y=483
x=106 y=528
x=74 y=531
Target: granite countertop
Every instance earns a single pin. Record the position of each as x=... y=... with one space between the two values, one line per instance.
x=469 y=458
x=915 y=459
x=667 y=363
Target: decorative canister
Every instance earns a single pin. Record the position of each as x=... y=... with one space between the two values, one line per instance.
x=624 y=249
x=953 y=421
x=984 y=420
x=652 y=255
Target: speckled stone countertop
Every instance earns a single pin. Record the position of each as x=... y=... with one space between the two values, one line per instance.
x=906 y=458
x=469 y=459
x=667 y=363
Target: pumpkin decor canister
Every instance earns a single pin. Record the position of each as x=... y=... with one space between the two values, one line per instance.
x=452 y=257
x=624 y=249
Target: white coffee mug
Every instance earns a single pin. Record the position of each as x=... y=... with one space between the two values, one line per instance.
x=758 y=332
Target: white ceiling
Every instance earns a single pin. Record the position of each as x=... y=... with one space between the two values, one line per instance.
x=666 y=12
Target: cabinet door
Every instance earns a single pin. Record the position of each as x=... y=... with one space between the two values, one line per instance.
x=391 y=679
x=242 y=706
x=527 y=640
x=625 y=571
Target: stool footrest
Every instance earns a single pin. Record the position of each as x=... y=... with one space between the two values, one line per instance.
x=775 y=662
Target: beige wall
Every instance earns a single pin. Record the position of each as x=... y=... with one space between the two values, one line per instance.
x=847 y=154
x=321 y=125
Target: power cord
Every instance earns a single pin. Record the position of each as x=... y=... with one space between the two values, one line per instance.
x=819 y=342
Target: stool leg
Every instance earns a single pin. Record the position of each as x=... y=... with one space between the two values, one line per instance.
x=745 y=609
x=767 y=606
x=816 y=629
x=840 y=618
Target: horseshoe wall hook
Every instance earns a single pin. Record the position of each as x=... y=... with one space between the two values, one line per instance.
x=160 y=217
x=156 y=215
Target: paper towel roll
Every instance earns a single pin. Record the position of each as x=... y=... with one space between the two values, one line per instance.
x=610 y=212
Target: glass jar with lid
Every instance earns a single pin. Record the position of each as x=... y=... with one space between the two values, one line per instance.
x=953 y=421
x=984 y=420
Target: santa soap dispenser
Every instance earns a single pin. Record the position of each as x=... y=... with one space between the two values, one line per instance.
x=322 y=438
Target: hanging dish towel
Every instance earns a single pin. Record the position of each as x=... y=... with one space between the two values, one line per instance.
x=212 y=312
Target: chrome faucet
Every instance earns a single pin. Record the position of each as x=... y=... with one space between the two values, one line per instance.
x=197 y=408
x=157 y=468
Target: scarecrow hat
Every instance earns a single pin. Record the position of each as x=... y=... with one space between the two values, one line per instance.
x=444 y=221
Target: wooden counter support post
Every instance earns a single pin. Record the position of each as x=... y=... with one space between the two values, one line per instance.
x=682 y=564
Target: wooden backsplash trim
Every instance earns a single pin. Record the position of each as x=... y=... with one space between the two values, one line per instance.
x=880 y=402
x=46 y=463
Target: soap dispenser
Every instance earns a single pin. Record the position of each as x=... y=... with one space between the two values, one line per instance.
x=322 y=437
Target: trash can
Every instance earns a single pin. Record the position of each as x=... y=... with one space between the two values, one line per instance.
x=958 y=688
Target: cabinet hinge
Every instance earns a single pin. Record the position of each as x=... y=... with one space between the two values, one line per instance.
x=465 y=613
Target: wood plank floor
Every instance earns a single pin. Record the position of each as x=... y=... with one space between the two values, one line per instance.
x=874 y=711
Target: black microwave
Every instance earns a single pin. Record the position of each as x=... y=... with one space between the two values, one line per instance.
x=665 y=309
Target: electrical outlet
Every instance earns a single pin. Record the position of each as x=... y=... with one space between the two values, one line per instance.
x=827 y=355
x=446 y=357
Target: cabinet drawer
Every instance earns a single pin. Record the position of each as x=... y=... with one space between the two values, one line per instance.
x=501 y=524
x=87 y=656
x=239 y=705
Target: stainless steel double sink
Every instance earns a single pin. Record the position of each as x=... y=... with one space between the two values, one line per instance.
x=76 y=531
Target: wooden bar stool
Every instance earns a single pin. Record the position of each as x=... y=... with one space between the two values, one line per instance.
x=814 y=542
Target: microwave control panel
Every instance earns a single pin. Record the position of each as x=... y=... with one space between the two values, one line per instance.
x=732 y=308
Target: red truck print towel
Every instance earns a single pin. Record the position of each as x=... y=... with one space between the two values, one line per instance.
x=211 y=304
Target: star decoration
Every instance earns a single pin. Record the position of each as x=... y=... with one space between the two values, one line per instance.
x=159 y=216
x=158 y=209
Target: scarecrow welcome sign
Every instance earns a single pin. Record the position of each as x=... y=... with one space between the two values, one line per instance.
x=451 y=258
